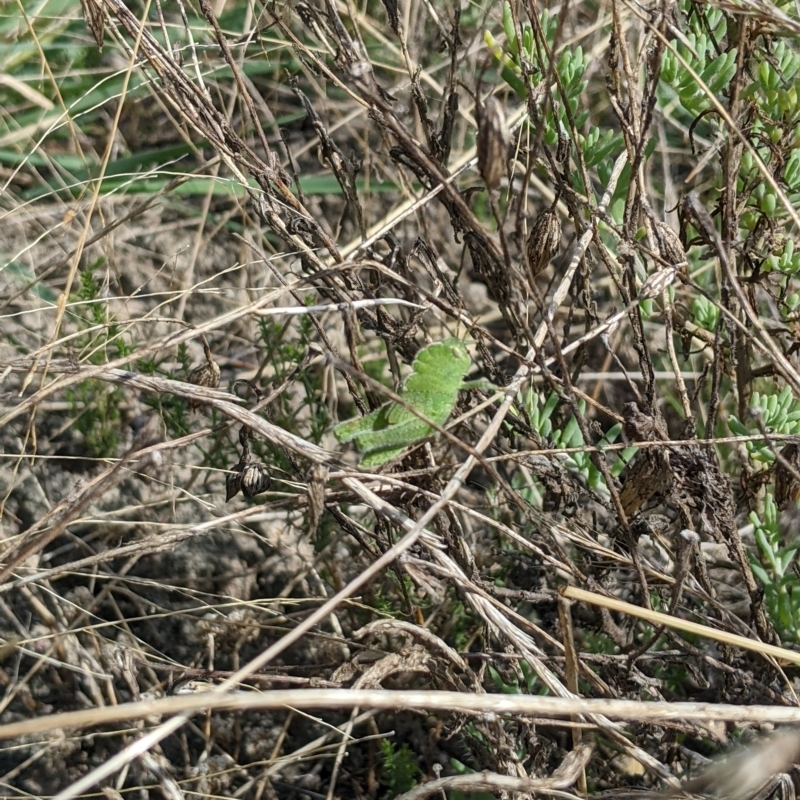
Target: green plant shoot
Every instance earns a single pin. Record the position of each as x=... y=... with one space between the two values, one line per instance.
x=432 y=389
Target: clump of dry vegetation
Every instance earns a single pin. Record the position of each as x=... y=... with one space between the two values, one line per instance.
x=228 y=227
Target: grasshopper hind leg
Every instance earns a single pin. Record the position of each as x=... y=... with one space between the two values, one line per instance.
x=381 y=446
x=375 y=458
x=359 y=426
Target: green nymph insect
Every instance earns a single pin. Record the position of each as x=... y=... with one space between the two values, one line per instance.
x=432 y=389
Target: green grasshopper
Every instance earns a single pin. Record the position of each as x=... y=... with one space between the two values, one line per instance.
x=432 y=389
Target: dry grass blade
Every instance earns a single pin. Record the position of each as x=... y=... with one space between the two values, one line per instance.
x=549 y=708
x=657 y=618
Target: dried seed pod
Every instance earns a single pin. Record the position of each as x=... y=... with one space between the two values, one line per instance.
x=255 y=479
x=642 y=426
x=233 y=482
x=648 y=476
x=657 y=283
x=205 y=374
x=94 y=14
x=543 y=241
x=787 y=486
x=670 y=247
x=492 y=142
x=562 y=150
x=318 y=477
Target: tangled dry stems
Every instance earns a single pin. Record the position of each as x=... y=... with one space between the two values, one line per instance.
x=434 y=539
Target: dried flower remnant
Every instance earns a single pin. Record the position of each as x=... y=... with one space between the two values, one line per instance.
x=493 y=139
x=670 y=248
x=255 y=480
x=657 y=283
x=648 y=477
x=787 y=470
x=249 y=477
x=650 y=474
x=205 y=374
x=94 y=15
x=543 y=241
x=233 y=483
x=562 y=150
x=318 y=477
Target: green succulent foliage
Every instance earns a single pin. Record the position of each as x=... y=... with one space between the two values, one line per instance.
x=515 y=58
x=761 y=198
x=700 y=53
x=777 y=85
x=570 y=436
x=540 y=412
x=598 y=642
x=779 y=412
x=791 y=170
x=705 y=314
x=786 y=262
x=774 y=569
x=775 y=93
x=519 y=51
x=790 y=305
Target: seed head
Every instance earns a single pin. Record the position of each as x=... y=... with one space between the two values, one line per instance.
x=670 y=247
x=543 y=241
x=255 y=479
x=205 y=374
x=787 y=486
x=492 y=142
x=562 y=150
x=233 y=482
x=648 y=476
